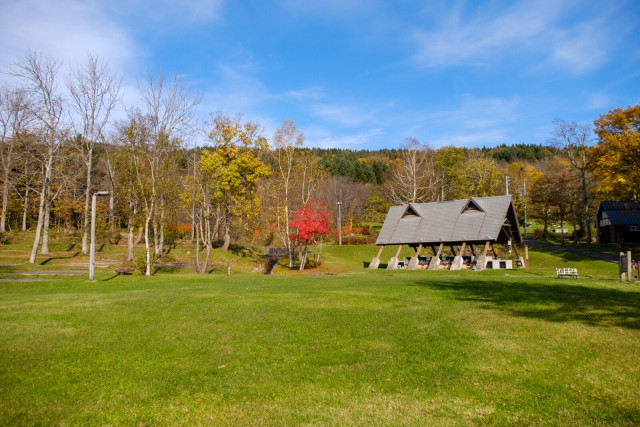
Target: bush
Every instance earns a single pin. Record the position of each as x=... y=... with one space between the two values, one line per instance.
x=538 y=233
x=141 y=262
x=5 y=238
x=108 y=234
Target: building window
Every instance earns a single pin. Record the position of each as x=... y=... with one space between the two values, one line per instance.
x=634 y=228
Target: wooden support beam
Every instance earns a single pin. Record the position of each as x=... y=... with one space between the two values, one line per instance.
x=380 y=251
x=464 y=245
x=493 y=249
x=513 y=242
x=486 y=248
x=398 y=252
x=473 y=250
x=433 y=248
x=453 y=250
x=418 y=249
x=440 y=250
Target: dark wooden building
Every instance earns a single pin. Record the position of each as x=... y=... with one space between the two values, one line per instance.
x=619 y=222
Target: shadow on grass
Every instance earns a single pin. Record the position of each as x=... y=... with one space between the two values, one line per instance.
x=48 y=260
x=556 y=301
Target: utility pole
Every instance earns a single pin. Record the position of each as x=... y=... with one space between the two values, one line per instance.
x=339 y=223
x=92 y=256
x=525 y=209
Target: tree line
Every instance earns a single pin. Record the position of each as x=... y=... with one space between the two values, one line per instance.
x=60 y=144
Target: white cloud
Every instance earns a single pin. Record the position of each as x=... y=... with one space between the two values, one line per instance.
x=598 y=101
x=348 y=115
x=237 y=91
x=582 y=47
x=69 y=30
x=323 y=138
x=474 y=122
x=538 y=30
x=471 y=42
x=473 y=139
x=338 y=8
x=171 y=13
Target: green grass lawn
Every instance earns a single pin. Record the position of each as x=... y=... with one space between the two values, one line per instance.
x=373 y=348
x=338 y=344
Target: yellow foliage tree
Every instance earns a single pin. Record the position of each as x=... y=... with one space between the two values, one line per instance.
x=616 y=157
x=235 y=167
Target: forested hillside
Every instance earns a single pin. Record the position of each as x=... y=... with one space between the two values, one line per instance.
x=59 y=145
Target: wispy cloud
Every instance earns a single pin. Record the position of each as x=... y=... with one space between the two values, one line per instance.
x=463 y=42
x=237 y=90
x=340 y=8
x=347 y=115
x=539 y=29
x=67 y=29
x=175 y=13
x=473 y=122
x=323 y=138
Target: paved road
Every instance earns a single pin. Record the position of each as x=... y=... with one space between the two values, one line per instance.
x=573 y=250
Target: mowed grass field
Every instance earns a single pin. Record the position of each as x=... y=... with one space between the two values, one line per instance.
x=355 y=347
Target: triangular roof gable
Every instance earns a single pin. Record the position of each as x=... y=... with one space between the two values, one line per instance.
x=411 y=211
x=444 y=222
x=473 y=205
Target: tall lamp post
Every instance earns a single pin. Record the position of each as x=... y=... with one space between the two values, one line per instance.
x=339 y=223
x=92 y=252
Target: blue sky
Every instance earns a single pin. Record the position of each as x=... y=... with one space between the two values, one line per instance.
x=360 y=74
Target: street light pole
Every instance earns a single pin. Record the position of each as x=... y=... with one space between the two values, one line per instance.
x=92 y=252
x=339 y=223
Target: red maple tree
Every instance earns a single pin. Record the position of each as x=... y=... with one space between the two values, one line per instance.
x=311 y=222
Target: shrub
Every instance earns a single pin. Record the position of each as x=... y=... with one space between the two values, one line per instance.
x=141 y=262
x=5 y=238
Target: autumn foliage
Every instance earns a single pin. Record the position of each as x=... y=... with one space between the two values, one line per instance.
x=311 y=222
x=616 y=157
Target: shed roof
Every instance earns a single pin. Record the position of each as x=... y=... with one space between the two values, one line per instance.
x=622 y=212
x=476 y=219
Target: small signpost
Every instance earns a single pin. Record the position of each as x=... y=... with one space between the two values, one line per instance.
x=626 y=267
x=92 y=252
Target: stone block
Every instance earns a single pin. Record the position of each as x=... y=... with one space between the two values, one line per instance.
x=392 y=264
x=434 y=264
x=374 y=264
x=456 y=264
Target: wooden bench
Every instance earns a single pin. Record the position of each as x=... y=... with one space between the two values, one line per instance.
x=567 y=272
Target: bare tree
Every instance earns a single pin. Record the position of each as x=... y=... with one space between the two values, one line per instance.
x=39 y=75
x=94 y=92
x=169 y=108
x=285 y=140
x=15 y=119
x=575 y=139
x=414 y=178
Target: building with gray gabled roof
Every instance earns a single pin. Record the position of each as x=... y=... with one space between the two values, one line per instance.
x=619 y=222
x=474 y=221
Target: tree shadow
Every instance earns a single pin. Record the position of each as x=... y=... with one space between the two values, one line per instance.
x=71 y=246
x=553 y=301
x=48 y=260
